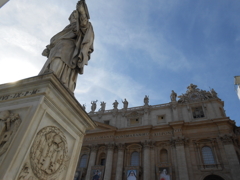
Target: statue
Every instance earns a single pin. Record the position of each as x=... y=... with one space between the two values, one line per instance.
x=173 y=96
x=115 y=105
x=125 y=104
x=84 y=107
x=70 y=49
x=94 y=105
x=146 y=100
x=213 y=92
x=103 y=106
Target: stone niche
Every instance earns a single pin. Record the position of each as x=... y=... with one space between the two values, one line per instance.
x=42 y=127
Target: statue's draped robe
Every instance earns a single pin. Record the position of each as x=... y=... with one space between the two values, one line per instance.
x=72 y=47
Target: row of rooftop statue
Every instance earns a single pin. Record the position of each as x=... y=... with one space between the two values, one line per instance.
x=193 y=93
x=115 y=104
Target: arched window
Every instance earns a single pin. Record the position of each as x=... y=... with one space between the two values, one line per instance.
x=213 y=177
x=102 y=159
x=83 y=161
x=135 y=159
x=163 y=155
x=207 y=155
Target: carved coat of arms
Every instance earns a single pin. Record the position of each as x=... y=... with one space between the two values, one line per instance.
x=48 y=153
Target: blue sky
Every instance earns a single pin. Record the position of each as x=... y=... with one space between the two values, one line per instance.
x=141 y=47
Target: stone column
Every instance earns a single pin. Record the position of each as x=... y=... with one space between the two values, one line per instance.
x=153 y=162
x=108 y=166
x=119 y=170
x=92 y=160
x=181 y=158
x=146 y=160
x=231 y=156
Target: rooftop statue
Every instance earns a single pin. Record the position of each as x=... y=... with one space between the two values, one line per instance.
x=94 y=105
x=70 y=49
x=115 y=105
x=173 y=96
x=125 y=104
x=146 y=100
x=103 y=106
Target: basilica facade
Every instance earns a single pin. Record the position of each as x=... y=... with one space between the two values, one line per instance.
x=189 y=138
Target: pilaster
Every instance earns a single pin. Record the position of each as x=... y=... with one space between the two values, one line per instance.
x=227 y=141
x=92 y=160
x=146 y=159
x=179 y=142
x=108 y=166
x=120 y=158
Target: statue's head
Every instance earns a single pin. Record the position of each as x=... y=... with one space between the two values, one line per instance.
x=82 y=8
x=73 y=17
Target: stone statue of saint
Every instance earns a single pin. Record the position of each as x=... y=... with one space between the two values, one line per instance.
x=84 y=106
x=146 y=100
x=94 y=105
x=213 y=92
x=125 y=104
x=103 y=106
x=115 y=105
x=173 y=96
x=70 y=49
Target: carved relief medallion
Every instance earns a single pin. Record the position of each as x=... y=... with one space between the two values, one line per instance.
x=48 y=153
x=9 y=123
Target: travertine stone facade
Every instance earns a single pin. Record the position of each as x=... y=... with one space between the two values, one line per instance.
x=189 y=138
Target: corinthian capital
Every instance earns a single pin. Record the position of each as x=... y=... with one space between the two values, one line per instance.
x=94 y=147
x=110 y=146
x=226 y=138
x=147 y=144
x=179 y=141
x=121 y=146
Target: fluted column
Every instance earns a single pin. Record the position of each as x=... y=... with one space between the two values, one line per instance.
x=119 y=170
x=146 y=160
x=108 y=166
x=92 y=160
x=231 y=156
x=181 y=158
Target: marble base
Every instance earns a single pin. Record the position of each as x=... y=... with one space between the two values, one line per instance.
x=42 y=127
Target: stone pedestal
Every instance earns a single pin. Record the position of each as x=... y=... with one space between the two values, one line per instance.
x=42 y=127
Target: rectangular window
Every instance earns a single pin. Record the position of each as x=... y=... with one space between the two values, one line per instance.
x=197 y=112
x=106 y=122
x=134 y=121
x=161 y=119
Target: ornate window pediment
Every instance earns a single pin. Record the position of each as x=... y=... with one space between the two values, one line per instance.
x=134 y=118
x=197 y=112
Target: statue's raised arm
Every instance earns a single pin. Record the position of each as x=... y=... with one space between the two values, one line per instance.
x=70 y=49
